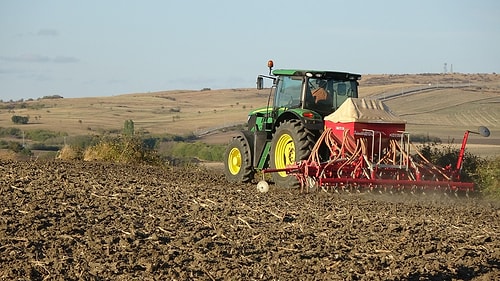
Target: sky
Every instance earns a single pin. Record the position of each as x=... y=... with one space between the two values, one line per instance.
x=103 y=48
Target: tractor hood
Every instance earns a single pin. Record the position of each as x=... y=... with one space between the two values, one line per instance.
x=260 y=110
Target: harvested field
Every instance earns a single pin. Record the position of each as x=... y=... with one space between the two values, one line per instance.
x=98 y=221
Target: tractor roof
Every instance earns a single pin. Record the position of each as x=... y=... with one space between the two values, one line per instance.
x=317 y=73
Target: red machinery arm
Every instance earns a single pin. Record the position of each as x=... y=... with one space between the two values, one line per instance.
x=458 y=169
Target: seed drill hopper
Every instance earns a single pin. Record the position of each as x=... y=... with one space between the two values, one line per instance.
x=369 y=148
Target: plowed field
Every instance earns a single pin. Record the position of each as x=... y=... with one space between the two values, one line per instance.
x=98 y=221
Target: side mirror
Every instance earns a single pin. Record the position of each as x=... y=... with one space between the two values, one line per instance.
x=260 y=83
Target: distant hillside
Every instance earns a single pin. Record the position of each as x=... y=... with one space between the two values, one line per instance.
x=442 y=105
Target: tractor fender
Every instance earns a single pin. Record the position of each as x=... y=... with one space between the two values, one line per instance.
x=256 y=141
x=289 y=115
x=248 y=137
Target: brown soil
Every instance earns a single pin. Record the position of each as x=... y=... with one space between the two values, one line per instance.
x=97 y=221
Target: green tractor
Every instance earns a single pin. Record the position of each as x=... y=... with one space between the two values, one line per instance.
x=286 y=130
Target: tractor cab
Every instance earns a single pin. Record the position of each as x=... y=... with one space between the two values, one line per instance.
x=322 y=92
x=307 y=95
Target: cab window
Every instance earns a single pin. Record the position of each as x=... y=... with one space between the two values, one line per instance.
x=288 y=92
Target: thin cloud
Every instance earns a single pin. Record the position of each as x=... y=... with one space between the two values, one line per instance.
x=47 y=32
x=116 y=81
x=9 y=71
x=26 y=58
x=36 y=58
x=63 y=59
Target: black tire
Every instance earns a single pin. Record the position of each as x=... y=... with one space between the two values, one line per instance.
x=237 y=161
x=291 y=143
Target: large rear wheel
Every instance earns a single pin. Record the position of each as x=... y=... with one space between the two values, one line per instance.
x=291 y=143
x=237 y=161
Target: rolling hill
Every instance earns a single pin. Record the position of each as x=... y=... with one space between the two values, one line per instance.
x=438 y=105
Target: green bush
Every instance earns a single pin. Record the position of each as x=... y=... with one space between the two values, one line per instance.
x=52 y=97
x=11 y=132
x=489 y=178
x=17 y=148
x=176 y=138
x=43 y=135
x=123 y=150
x=420 y=138
x=20 y=119
x=43 y=146
x=448 y=155
x=485 y=173
x=35 y=135
x=128 y=128
x=198 y=150
x=81 y=142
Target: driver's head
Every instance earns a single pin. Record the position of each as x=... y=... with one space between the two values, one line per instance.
x=321 y=83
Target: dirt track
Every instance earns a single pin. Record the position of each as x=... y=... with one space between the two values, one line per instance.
x=94 y=221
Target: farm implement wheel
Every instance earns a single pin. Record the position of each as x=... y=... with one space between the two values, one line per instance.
x=291 y=143
x=237 y=161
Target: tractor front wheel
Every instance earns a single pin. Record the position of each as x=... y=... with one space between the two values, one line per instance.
x=291 y=143
x=237 y=161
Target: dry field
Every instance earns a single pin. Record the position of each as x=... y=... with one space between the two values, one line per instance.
x=467 y=101
x=174 y=112
x=99 y=221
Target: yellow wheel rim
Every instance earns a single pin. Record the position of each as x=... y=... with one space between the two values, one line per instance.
x=284 y=153
x=234 y=161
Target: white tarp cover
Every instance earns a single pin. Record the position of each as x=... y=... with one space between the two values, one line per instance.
x=364 y=111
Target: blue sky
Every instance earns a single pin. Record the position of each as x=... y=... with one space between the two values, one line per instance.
x=102 y=48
